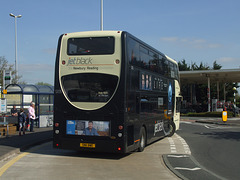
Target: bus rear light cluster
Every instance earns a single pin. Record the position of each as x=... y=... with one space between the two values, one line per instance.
x=119 y=148
x=120 y=134
x=63 y=62
x=56 y=126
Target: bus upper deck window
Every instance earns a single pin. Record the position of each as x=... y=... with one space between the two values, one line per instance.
x=91 y=46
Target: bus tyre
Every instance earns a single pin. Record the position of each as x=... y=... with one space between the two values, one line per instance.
x=142 y=142
x=172 y=129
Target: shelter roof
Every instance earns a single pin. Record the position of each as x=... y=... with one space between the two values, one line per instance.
x=29 y=89
x=201 y=76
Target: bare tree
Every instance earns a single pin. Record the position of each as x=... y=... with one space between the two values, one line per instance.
x=5 y=66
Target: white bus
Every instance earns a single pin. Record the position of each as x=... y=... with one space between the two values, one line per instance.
x=113 y=93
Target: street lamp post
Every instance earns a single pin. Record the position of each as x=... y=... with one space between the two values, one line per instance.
x=101 y=26
x=15 y=17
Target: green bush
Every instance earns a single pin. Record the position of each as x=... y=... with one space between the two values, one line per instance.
x=207 y=114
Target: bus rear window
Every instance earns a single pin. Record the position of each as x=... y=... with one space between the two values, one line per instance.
x=89 y=87
x=90 y=46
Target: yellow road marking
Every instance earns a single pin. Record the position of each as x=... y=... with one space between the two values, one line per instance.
x=10 y=163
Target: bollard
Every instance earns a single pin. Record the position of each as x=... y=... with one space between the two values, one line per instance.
x=224 y=116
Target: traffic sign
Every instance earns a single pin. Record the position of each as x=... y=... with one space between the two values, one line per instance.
x=7 y=77
x=3 y=105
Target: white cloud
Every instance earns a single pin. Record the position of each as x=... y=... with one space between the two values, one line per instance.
x=36 y=67
x=197 y=41
x=33 y=73
x=170 y=39
x=214 y=45
x=50 y=51
x=191 y=42
x=229 y=62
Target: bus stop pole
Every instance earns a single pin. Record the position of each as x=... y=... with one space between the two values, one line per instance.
x=4 y=113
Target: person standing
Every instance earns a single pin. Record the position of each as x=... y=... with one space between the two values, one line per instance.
x=31 y=115
x=14 y=111
x=22 y=121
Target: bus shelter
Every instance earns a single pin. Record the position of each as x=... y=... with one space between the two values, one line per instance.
x=21 y=96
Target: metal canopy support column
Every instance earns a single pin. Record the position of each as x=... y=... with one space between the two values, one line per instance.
x=209 y=94
x=224 y=92
x=191 y=93
x=218 y=98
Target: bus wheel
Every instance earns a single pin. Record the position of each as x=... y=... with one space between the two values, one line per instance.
x=142 y=143
x=172 y=129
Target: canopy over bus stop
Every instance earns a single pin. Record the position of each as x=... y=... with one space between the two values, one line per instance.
x=202 y=76
x=210 y=76
x=21 y=95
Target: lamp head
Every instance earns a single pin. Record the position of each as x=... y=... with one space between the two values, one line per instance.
x=11 y=14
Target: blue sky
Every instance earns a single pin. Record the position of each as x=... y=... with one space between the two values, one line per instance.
x=197 y=31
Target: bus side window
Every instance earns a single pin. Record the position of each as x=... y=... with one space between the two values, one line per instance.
x=161 y=65
x=144 y=58
x=149 y=104
x=133 y=51
x=176 y=71
x=171 y=70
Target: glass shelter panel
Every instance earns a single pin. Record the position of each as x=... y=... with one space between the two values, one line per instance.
x=45 y=104
x=13 y=99
x=30 y=88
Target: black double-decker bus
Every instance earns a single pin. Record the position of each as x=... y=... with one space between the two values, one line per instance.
x=113 y=93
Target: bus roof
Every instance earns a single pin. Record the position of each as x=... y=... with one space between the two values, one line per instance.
x=114 y=33
x=170 y=59
x=94 y=33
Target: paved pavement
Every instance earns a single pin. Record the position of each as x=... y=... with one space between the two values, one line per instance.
x=14 y=143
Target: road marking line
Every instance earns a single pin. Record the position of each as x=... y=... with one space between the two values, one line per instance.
x=178 y=156
x=172 y=145
x=10 y=163
x=210 y=127
x=184 y=144
x=188 y=169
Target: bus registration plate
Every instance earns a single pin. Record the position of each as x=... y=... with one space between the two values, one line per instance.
x=87 y=145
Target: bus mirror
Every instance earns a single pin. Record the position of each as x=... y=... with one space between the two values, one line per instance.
x=180 y=98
